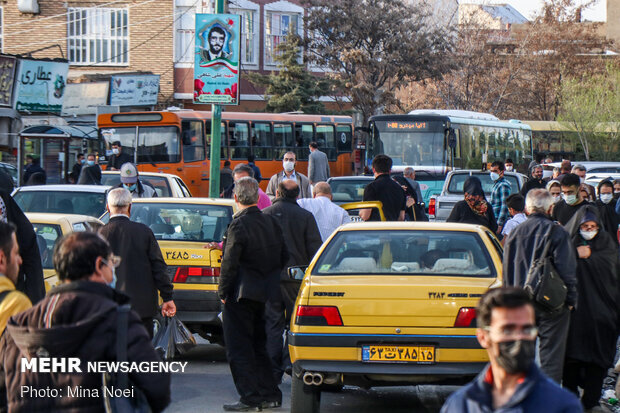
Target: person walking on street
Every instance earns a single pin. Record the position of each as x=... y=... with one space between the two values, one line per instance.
x=91 y=172
x=414 y=201
x=607 y=208
x=226 y=178
x=536 y=182
x=328 y=216
x=142 y=271
x=253 y=259
x=318 y=165
x=580 y=171
x=256 y=169
x=555 y=189
x=385 y=190
x=289 y=162
x=571 y=201
x=474 y=209
x=118 y=158
x=77 y=168
x=242 y=171
x=516 y=209
x=77 y=319
x=511 y=382
x=302 y=240
x=33 y=167
x=11 y=300
x=501 y=191
x=130 y=180
x=594 y=324
x=524 y=245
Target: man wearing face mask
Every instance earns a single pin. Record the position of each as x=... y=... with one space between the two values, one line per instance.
x=607 y=208
x=91 y=172
x=501 y=191
x=118 y=158
x=510 y=165
x=142 y=273
x=511 y=381
x=523 y=246
x=536 y=181
x=571 y=202
x=131 y=182
x=288 y=162
x=593 y=332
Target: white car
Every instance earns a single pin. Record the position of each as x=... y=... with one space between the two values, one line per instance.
x=62 y=199
x=165 y=185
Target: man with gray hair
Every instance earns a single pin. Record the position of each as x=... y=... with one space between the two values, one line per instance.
x=253 y=258
x=535 y=182
x=142 y=271
x=328 y=215
x=524 y=245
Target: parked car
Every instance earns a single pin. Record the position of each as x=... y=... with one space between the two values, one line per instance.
x=452 y=192
x=165 y=185
x=387 y=304
x=184 y=227
x=353 y=208
x=11 y=170
x=347 y=189
x=62 y=199
x=52 y=227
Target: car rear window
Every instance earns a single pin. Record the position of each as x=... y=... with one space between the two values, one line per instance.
x=457 y=181
x=160 y=184
x=62 y=202
x=183 y=222
x=348 y=190
x=405 y=252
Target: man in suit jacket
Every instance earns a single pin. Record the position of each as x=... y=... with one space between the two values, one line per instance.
x=254 y=256
x=288 y=162
x=303 y=239
x=142 y=270
x=318 y=165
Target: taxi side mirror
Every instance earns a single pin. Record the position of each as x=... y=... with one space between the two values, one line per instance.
x=296 y=273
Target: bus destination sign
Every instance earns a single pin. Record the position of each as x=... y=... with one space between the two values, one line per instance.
x=407 y=125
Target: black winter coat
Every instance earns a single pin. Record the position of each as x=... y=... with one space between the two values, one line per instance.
x=253 y=257
x=526 y=243
x=75 y=320
x=462 y=213
x=143 y=270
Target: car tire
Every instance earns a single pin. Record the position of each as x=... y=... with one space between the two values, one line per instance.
x=304 y=399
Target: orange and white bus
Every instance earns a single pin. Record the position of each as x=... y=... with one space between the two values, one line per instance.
x=178 y=142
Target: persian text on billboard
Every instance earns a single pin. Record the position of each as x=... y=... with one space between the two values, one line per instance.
x=41 y=85
x=140 y=90
x=7 y=77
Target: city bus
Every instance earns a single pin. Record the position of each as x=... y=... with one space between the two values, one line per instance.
x=434 y=142
x=179 y=141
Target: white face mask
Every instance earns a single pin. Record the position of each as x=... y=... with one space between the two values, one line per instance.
x=494 y=176
x=588 y=235
x=556 y=198
x=288 y=166
x=570 y=199
x=606 y=198
x=115 y=151
x=509 y=168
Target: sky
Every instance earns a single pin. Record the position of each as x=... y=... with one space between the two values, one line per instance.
x=528 y=7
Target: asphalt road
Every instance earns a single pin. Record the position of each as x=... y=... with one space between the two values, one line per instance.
x=207 y=384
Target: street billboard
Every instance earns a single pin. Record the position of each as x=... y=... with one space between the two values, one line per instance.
x=40 y=85
x=84 y=98
x=134 y=90
x=7 y=78
x=216 y=61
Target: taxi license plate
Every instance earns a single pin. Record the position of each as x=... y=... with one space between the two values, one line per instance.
x=399 y=354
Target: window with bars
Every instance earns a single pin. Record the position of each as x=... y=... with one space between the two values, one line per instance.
x=98 y=36
x=277 y=26
x=184 y=50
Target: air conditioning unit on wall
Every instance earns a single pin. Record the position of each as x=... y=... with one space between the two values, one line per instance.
x=28 y=6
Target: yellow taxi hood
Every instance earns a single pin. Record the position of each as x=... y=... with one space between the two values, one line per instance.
x=189 y=253
x=396 y=300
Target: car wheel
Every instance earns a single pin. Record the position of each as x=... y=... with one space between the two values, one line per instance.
x=304 y=399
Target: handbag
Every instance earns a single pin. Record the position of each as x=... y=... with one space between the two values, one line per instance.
x=137 y=403
x=543 y=282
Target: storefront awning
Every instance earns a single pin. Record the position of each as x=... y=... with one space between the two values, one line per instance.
x=58 y=131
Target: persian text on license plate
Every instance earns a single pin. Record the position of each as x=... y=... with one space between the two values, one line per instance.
x=399 y=354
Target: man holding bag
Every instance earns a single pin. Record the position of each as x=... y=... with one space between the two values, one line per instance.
x=524 y=246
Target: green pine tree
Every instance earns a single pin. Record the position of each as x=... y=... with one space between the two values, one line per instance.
x=293 y=88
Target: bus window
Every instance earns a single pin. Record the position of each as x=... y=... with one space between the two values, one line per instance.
x=223 y=143
x=326 y=139
x=158 y=144
x=283 y=138
x=193 y=141
x=239 y=140
x=126 y=136
x=304 y=134
x=343 y=138
x=262 y=141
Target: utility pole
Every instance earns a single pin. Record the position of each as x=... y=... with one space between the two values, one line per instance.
x=216 y=138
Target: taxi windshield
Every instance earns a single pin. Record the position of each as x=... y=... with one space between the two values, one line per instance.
x=184 y=222
x=405 y=252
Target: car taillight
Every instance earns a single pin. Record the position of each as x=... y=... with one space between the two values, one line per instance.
x=183 y=273
x=466 y=317
x=314 y=315
x=431 y=207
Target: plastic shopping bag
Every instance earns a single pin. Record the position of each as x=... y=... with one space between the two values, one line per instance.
x=182 y=337
x=164 y=340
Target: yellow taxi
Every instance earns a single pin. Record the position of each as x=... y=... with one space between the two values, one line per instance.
x=49 y=229
x=184 y=228
x=386 y=303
